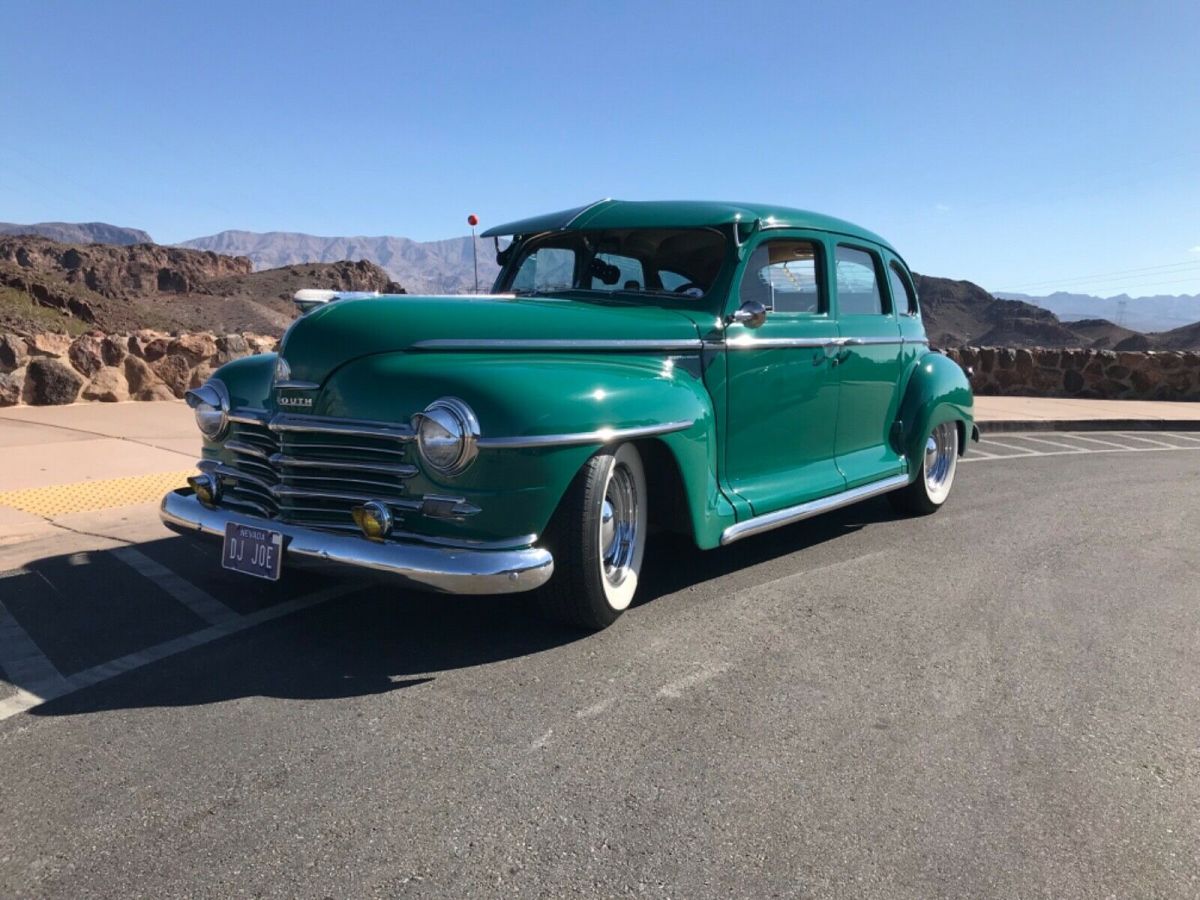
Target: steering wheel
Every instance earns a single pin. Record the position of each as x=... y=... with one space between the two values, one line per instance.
x=687 y=286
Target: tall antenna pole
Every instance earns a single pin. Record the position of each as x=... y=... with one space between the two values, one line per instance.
x=473 y=220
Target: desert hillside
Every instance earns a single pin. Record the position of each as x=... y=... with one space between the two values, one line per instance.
x=959 y=313
x=74 y=287
x=46 y=285
x=425 y=267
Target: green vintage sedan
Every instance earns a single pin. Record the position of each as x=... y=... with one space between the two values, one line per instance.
x=715 y=369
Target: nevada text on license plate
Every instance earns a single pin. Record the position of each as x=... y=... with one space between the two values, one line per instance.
x=252 y=551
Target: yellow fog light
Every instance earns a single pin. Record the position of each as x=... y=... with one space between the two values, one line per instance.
x=374 y=518
x=206 y=489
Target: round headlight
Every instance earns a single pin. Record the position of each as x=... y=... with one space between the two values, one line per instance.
x=210 y=403
x=447 y=432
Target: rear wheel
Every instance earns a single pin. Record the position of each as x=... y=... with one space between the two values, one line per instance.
x=598 y=538
x=929 y=490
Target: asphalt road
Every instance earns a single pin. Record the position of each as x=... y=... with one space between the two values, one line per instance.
x=1001 y=700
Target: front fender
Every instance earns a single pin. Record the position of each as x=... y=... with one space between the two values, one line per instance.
x=937 y=392
x=527 y=395
x=249 y=380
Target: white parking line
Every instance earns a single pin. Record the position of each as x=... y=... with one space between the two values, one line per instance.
x=24 y=663
x=1024 y=450
x=1058 y=444
x=207 y=607
x=1138 y=437
x=27 y=698
x=1186 y=437
x=1082 y=453
x=1094 y=440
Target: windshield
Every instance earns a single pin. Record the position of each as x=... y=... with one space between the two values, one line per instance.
x=678 y=262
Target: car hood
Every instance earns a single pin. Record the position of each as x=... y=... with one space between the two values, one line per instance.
x=325 y=339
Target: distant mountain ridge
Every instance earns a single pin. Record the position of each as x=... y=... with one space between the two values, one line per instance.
x=429 y=267
x=81 y=232
x=1162 y=312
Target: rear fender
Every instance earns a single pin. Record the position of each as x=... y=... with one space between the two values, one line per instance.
x=937 y=392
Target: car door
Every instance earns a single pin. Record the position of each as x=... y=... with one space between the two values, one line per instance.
x=782 y=395
x=869 y=366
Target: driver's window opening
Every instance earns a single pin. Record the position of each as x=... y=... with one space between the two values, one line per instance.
x=547 y=269
x=682 y=263
x=784 y=276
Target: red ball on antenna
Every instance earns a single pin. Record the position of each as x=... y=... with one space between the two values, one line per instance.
x=472 y=220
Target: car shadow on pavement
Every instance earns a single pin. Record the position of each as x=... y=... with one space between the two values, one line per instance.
x=84 y=610
x=375 y=639
x=674 y=563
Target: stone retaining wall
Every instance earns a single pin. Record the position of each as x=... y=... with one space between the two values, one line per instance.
x=48 y=369
x=1095 y=374
x=51 y=369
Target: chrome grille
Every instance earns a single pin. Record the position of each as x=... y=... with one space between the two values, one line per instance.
x=309 y=470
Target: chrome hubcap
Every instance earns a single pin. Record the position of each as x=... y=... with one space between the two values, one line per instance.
x=618 y=525
x=940 y=451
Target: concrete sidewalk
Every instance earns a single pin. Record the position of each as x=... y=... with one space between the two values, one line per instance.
x=73 y=467
x=1065 y=414
x=100 y=468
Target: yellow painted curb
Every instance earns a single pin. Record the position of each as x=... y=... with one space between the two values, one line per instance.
x=84 y=496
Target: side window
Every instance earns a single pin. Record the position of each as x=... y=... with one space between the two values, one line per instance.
x=903 y=297
x=613 y=272
x=857 y=283
x=547 y=269
x=671 y=280
x=784 y=276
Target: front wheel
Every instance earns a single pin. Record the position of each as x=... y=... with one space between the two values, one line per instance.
x=598 y=538
x=929 y=490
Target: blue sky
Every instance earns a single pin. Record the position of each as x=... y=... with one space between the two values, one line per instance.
x=1042 y=145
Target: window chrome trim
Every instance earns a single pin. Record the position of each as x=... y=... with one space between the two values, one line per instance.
x=567 y=344
x=600 y=436
x=779 y=518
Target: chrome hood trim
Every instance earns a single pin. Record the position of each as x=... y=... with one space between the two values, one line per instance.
x=567 y=345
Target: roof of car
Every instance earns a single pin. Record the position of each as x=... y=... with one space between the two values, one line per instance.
x=678 y=214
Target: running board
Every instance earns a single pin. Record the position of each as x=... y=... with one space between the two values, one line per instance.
x=782 y=517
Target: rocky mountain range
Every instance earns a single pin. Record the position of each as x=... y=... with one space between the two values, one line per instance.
x=244 y=281
x=50 y=286
x=1157 y=313
x=80 y=232
x=429 y=267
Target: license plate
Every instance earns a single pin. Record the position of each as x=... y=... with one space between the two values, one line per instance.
x=252 y=551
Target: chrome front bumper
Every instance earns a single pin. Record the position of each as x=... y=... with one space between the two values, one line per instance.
x=451 y=570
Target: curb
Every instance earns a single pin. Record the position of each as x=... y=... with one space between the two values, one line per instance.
x=1002 y=426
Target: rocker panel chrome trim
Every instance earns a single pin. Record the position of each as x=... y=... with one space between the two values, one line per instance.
x=779 y=518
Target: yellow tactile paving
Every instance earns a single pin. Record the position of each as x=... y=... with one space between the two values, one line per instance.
x=84 y=496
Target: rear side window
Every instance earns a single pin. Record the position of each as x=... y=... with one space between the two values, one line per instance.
x=903 y=297
x=784 y=276
x=858 y=283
